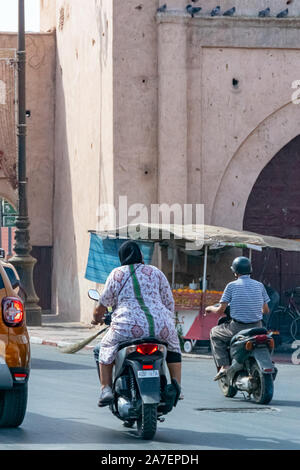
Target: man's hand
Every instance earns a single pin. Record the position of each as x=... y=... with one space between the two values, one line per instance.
x=209 y=309
x=219 y=308
x=265 y=309
x=98 y=315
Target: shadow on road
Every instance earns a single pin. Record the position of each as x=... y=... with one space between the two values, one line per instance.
x=285 y=403
x=44 y=431
x=222 y=440
x=57 y=365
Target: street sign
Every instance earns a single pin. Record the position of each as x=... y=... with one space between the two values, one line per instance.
x=7 y=209
x=8 y=221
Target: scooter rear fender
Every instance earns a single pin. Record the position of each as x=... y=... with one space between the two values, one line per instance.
x=263 y=358
x=149 y=386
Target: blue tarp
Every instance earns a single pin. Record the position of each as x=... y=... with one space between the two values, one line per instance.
x=103 y=256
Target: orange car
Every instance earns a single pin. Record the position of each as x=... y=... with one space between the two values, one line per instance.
x=14 y=349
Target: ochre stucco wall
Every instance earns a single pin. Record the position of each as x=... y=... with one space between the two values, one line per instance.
x=83 y=146
x=40 y=100
x=145 y=107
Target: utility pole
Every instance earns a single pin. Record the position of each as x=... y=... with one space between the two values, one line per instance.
x=22 y=259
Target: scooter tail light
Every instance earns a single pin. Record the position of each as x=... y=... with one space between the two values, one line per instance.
x=249 y=346
x=12 y=311
x=261 y=339
x=147 y=349
x=271 y=343
x=140 y=348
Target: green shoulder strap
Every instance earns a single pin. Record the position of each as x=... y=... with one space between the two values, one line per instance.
x=139 y=298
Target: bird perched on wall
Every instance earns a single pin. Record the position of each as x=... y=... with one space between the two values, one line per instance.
x=283 y=14
x=230 y=12
x=162 y=9
x=193 y=10
x=216 y=11
x=264 y=13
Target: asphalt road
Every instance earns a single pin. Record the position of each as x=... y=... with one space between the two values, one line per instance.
x=62 y=412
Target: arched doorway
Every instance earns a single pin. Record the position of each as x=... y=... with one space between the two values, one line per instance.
x=273 y=208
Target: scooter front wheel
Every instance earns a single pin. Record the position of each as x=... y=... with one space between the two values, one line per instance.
x=228 y=390
x=264 y=386
x=147 y=422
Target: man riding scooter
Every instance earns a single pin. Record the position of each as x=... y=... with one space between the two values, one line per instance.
x=248 y=302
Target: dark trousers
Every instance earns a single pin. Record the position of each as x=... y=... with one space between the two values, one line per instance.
x=220 y=337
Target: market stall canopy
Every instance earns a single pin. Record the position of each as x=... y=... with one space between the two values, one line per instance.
x=103 y=256
x=201 y=235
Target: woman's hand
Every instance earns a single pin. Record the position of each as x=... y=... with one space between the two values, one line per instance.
x=98 y=315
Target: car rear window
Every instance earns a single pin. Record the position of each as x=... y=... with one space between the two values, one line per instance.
x=11 y=276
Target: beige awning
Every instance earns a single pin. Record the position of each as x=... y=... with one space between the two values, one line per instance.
x=210 y=235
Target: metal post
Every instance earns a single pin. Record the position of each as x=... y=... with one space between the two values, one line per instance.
x=22 y=259
x=204 y=282
x=9 y=253
x=174 y=265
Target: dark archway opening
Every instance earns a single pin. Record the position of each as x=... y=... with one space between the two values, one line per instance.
x=273 y=208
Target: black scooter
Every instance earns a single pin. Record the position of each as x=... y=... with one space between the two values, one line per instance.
x=252 y=369
x=141 y=392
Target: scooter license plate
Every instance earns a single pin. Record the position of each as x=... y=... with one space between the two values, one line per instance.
x=147 y=374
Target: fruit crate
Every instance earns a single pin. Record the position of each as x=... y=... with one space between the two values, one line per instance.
x=187 y=298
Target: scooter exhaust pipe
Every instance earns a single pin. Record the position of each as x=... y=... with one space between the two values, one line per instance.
x=244 y=384
x=124 y=407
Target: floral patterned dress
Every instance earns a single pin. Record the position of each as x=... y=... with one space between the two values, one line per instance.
x=144 y=307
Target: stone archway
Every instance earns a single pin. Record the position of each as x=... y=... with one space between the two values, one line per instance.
x=256 y=151
x=273 y=208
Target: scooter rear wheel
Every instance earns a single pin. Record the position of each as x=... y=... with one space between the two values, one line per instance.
x=264 y=390
x=147 y=422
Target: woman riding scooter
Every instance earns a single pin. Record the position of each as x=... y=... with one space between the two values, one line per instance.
x=143 y=306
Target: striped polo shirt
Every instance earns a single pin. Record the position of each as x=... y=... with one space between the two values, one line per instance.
x=246 y=298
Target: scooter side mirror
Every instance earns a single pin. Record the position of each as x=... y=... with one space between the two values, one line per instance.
x=94 y=294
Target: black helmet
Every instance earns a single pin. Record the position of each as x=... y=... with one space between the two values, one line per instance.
x=241 y=265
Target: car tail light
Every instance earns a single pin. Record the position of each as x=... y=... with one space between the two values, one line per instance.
x=261 y=339
x=20 y=377
x=12 y=311
x=147 y=348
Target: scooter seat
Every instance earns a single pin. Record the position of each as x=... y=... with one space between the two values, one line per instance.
x=249 y=332
x=132 y=342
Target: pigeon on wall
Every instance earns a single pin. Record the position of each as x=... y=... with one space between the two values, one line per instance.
x=283 y=14
x=264 y=13
x=193 y=10
x=216 y=11
x=230 y=12
x=162 y=9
